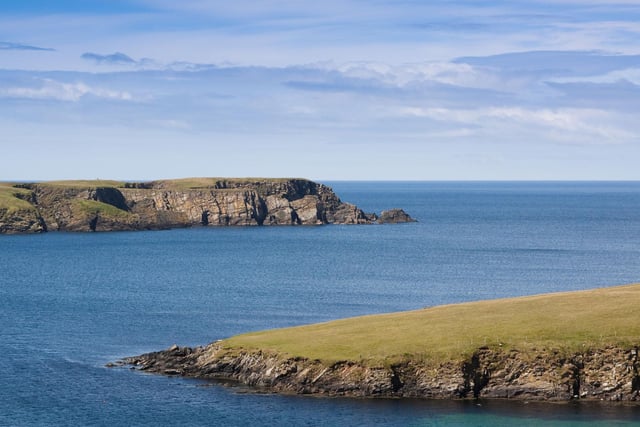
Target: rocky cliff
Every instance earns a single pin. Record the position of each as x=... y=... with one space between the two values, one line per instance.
x=109 y=205
x=18 y=213
x=605 y=374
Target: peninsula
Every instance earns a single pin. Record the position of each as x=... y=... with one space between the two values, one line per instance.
x=117 y=205
x=554 y=347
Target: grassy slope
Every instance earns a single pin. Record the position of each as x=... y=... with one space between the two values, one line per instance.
x=84 y=183
x=92 y=207
x=9 y=201
x=566 y=321
x=193 y=183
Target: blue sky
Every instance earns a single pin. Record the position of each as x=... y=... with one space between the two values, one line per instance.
x=351 y=89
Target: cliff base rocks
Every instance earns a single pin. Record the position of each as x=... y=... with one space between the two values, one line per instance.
x=609 y=374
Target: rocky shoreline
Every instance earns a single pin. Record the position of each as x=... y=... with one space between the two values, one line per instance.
x=608 y=374
x=119 y=206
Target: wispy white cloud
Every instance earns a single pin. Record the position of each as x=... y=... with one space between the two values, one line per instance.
x=631 y=75
x=451 y=73
x=68 y=92
x=557 y=63
x=364 y=97
x=572 y=125
x=285 y=32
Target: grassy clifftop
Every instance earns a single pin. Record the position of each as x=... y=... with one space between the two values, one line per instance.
x=17 y=212
x=10 y=198
x=174 y=184
x=97 y=183
x=570 y=322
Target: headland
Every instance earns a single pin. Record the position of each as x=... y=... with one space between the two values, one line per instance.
x=101 y=205
x=554 y=347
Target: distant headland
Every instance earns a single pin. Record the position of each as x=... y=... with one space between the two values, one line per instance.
x=102 y=205
x=555 y=347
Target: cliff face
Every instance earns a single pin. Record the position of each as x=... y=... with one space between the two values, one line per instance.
x=20 y=221
x=17 y=211
x=606 y=374
x=77 y=206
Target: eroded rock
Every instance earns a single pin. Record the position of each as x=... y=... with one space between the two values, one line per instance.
x=394 y=216
x=607 y=374
x=173 y=204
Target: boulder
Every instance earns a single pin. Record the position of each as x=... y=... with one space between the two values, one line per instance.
x=394 y=216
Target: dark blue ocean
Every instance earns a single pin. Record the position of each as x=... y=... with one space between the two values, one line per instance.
x=70 y=303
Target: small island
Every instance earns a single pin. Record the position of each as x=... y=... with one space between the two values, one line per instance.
x=555 y=347
x=101 y=205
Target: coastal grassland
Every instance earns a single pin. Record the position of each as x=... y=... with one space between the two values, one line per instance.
x=170 y=184
x=84 y=183
x=197 y=183
x=564 y=322
x=12 y=199
x=92 y=207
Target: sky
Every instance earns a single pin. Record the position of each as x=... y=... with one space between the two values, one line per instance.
x=331 y=90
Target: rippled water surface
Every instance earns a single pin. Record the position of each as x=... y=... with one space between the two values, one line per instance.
x=69 y=303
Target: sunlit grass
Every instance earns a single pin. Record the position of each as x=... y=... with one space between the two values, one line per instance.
x=84 y=183
x=565 y=321
x=93 y=207
x=195 y=183
x=174 y=184
x=10 y=201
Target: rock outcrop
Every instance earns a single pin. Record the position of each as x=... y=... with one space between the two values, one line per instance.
x=93 y=206
x=607 y=374
x=394 y=216
x=18 y=213
x=21 y=221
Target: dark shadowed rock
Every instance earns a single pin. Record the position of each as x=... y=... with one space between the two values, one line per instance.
x=21 y=221
x=604 y=374
x=394 y=216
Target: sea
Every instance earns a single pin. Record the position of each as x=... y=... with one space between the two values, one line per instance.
x=72 y=302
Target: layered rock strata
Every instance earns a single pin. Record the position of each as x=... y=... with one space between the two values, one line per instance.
x=179 y=203
x=21 y=221
x=609 y=374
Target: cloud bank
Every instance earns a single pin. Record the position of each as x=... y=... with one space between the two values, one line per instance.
x=349 y=89
x=60 y=91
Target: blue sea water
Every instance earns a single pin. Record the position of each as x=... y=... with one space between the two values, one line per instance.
x=70 y=303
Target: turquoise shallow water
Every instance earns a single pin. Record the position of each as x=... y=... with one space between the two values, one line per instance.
x=72 y=302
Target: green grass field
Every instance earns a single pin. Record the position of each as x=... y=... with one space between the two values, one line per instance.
x=93 y=207
x=84 y=183
x=572 y=321
x=174 y=184
x=194 y=183
x=10 y=202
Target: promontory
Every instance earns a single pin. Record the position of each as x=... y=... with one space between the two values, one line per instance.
x=555 y=347
x=101 y=205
